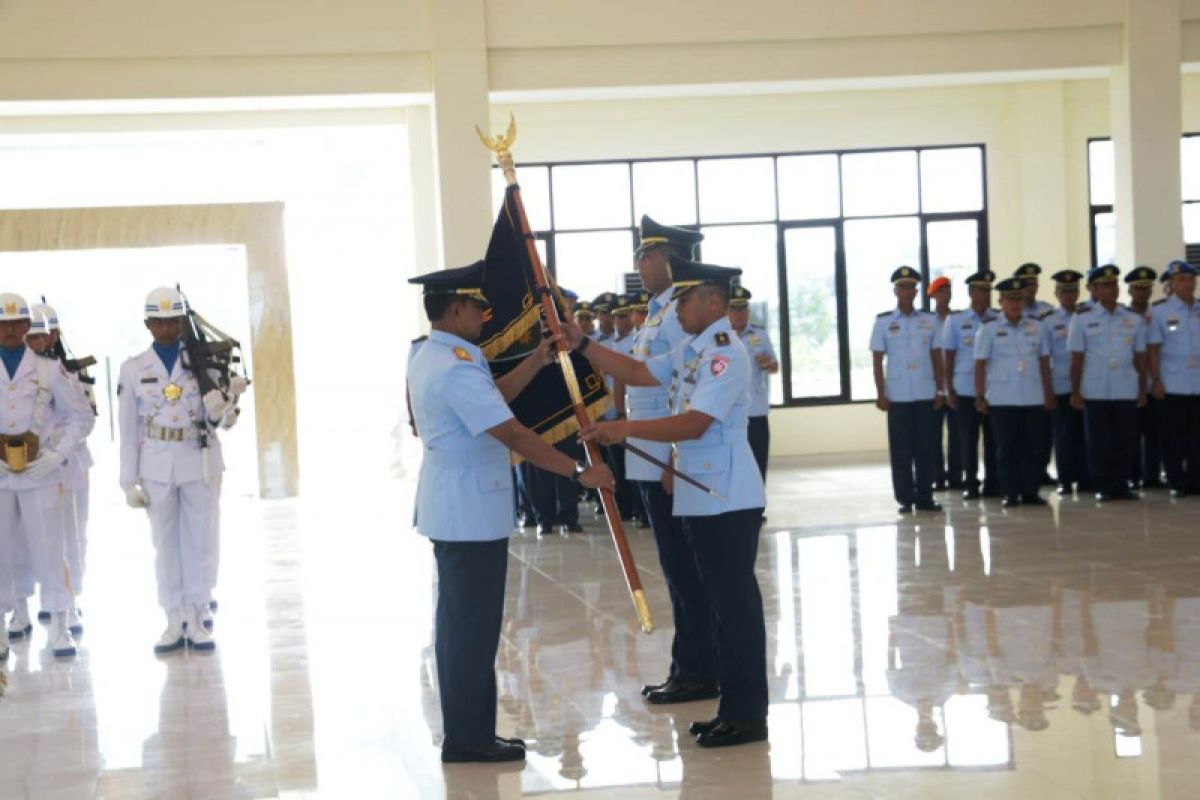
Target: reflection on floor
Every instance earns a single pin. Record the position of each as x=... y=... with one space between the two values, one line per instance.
x=1036 y=653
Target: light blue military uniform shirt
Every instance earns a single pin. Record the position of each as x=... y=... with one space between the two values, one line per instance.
x=710 y=373
x=758 y=343
x=958 y=336
x=1039 y=309
x=1055 y=325
x=464 y=492
x=1108 y=341
x=1013 y=354
x=660 y=334
x=907 y=342
x=609 y=341
x=1175 y=326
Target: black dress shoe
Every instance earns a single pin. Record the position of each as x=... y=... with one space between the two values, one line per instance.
x=1033 y=501
x=677 y=691
x=992 y=491
x=543 y=530
x=515 y=742
x=1124 y=494
x=574 y=527
x=654 y=687
x=498 y=751
x=971 y=494
x=1154 y=483
x=1063 y=490
x=929 y=505
x=1010 y=502
x=904 y=509
x=698 y=728
x=955 y=484
x=729 y=733
x=940 y=486
x=1103 y=497
x=1178 y=493
x=1046 y=480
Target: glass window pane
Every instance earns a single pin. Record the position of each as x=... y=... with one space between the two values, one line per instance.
x=1190 y=162
x=1106 y=238
x=591 y=196
x=737 y=190
x=811 y=255
x=880 y=183
x=591 y=263
x=953 y=252
x=666 y=190
x=874 y=248
x=808 y=187
x=1102 y=172
x=1191 y=222
x=952 y=180
x=754 y=249
x=535 y=194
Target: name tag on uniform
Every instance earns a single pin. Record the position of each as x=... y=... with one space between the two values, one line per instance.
x=1172 y=325
x=149 y=380
x=1001 y=333
x=893 y=328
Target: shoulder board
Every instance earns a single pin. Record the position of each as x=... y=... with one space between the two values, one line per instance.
x=1047 y=313
x=462 y=355
x=1160 y=301
x=1082 y=309
x=721 y=338
x=885 y=313
x=420 y=339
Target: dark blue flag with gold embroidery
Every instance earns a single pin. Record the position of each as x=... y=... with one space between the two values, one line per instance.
x=515 y=328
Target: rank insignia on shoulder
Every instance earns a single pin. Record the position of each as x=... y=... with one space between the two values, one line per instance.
x=462 y=354
x=1160 y=301
x=1045 y=314
x=722 y=338
x=883 y=313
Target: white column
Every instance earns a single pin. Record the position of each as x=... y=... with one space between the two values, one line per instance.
x=460 y=102
x=1146 y=106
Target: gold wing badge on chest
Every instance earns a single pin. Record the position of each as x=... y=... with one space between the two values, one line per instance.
x=172 y=391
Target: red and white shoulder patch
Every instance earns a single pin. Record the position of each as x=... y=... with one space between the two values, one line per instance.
x=718 y=365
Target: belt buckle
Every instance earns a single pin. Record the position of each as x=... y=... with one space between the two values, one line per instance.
x=16 y=454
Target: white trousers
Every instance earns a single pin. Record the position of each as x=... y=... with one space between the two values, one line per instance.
x=185 y=523
x=75 y=519
x=36 y=517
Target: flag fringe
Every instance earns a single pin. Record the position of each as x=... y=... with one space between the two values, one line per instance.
x=570 y=425
x=515 y=330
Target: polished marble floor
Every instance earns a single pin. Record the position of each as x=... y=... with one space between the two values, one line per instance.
x=1034 y=653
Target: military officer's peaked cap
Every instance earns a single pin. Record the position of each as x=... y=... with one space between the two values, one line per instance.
x=1028 y=270
x=654 y=234
x=687 y=275
x=1105 y=274
x=983 y=279
x=1067 y=278
x=740 y=297
x=1013 y=285
x=466 y=281
x=584 y=309
x=605 y=303
x=1141 y=276
x=1178 y=268
x=639 y=300
x=623 y=303
x=906 y=276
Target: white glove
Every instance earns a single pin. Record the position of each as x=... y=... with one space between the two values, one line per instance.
x=44 y=465
x=215 y=404
x=238 y=385
x=5 y=469
x=231 y=417
x=134 y=496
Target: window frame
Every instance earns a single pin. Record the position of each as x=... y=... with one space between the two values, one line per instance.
x=781 y=226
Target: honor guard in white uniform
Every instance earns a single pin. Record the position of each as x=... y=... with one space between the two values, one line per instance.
x=1174 y=344
x=958 y=353
x=1012 y=386
x=907 y=354
x=45 y=337
x=43 y=419
x=1070 y=444
x=763 y=365
x=1108 y=382
x=708 y=386
x=693 y=671
x=465 y=504
x=171 y=465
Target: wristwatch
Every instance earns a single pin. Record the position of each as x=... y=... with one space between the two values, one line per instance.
x=580 y=468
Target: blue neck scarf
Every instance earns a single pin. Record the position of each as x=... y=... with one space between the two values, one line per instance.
x=12 y=358
x=168 y=355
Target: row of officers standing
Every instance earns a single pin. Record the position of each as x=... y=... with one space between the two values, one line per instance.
x=1112 y=390
x=170 y=465
x=684 y=379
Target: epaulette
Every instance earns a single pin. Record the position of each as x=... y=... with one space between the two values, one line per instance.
x=1082 y=309
x=885 y=313
x=1160 y=301
x=1045 y=314
x=420 y=339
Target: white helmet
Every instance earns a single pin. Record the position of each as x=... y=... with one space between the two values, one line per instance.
x=13 y=306
x=164 y=303
x=43 y=319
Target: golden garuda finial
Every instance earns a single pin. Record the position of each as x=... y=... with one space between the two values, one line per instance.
x=501 y=145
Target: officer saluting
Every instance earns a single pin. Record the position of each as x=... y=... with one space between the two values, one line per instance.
x=464 y=501
x=1070 y=445
x=1174 y=342
x=44 y=421
x=958 y=350
x=1108 y=372
x=709 y=387
x=1012 y=385
x=763 y=365
x=907 y=338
